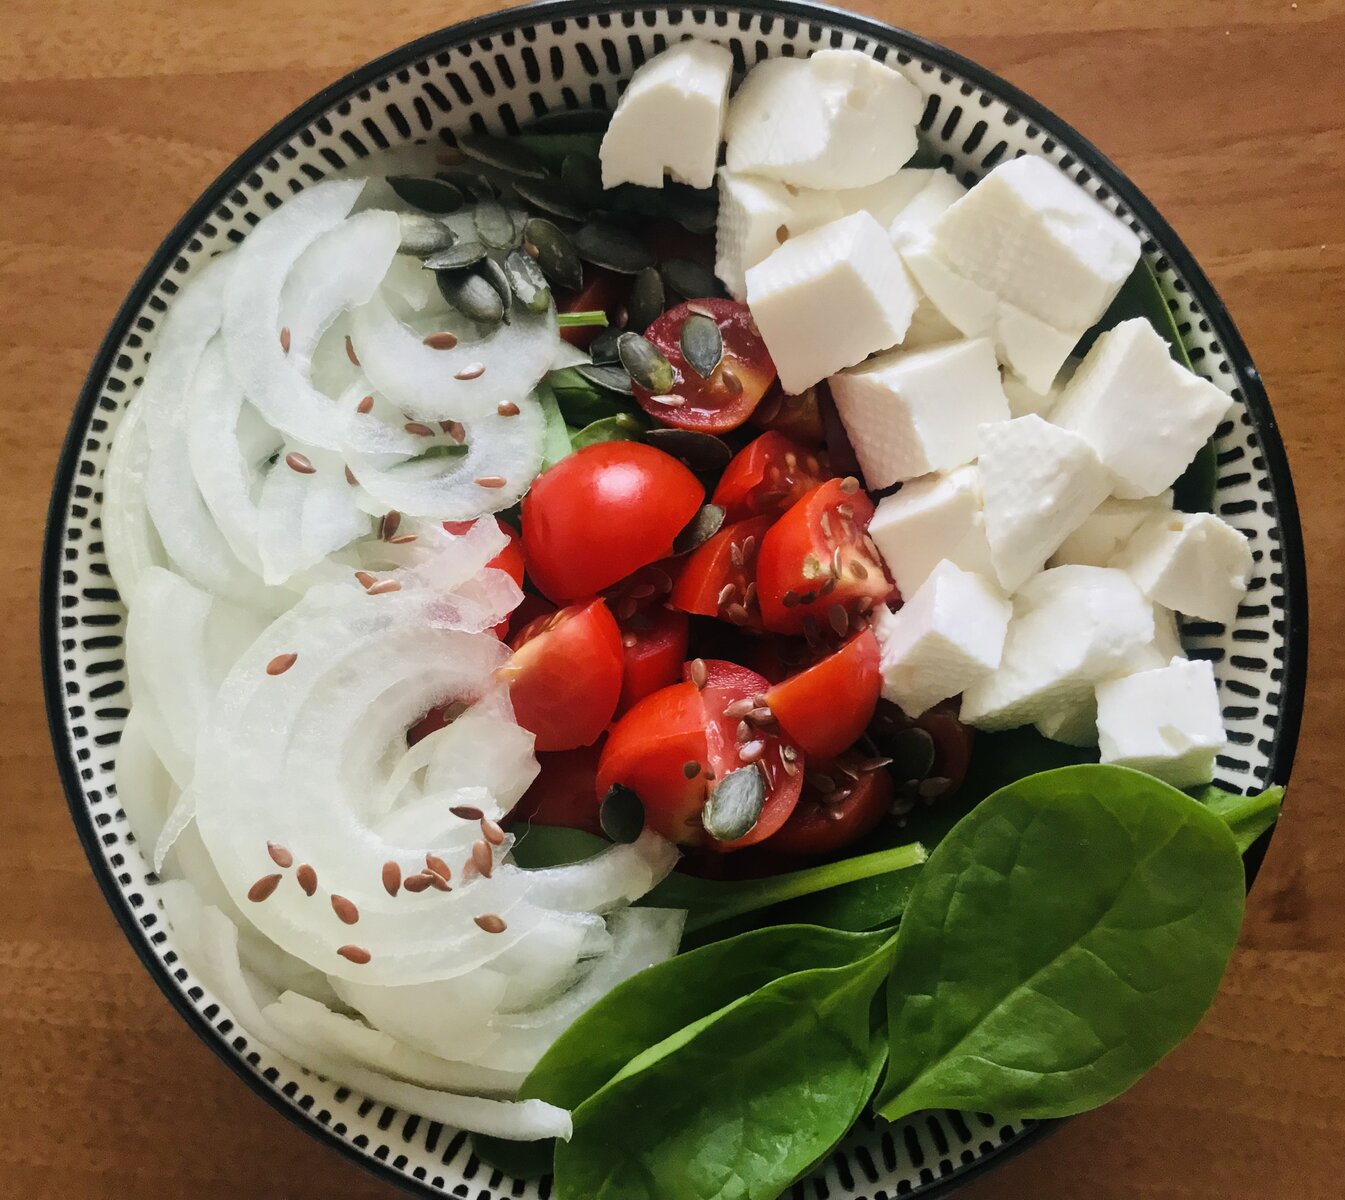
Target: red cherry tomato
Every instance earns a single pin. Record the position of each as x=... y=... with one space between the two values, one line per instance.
x=827 y=707
x=563 y=792
x=565 y=675
x=836 y=810
x=767 y=476
x=727 y=398
x=529 y=609
x=667 y=239
x=817 y=569
x=653 y=647
x=778 y=657
x=509 y=560
x=716 y=579
x=603 y=290
x=798 y=417
x=603 y=512
x=434 y=720
x=720 y=673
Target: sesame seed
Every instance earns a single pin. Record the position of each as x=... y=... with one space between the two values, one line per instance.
x=751 y=751
x=690 y=769
x=281 y=663
x=384 y=586
x=441 y=341
x=308 y=879
x=437 y=866
x=490 y=923
x=736 y=555
x=356 y=954
x=468 y=812
x=366 y=405
x=749 y=545
x=350 y=352
x=471 y=371
x=491 y=481
x=492 y=832
x=482 y=859
x=507 y=408
x=279 y=855
x=750 y=595
x=300 y=463
x=392 y=878
x=260 y=890
x=416 y=429
x=285 y=339
x=345 y=910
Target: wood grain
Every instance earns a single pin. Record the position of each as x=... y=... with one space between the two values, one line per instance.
x=114 y=117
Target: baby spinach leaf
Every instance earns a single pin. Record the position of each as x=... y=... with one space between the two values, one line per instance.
x=555 y=846
x=1247 y=816
x=556 y=439
x=805 y=1053
x=624 y=427
x=1059 y=942
x=582 y=402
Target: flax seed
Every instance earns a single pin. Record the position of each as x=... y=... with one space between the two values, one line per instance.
x=260 y=890
x=281 y=663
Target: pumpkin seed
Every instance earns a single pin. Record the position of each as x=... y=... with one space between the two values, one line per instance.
x=735 y=805
x=694 y=209
x=505 y=154
x=428 y=195
x=582 y=177
x=700 y=529
x=609 y=379
x=911 y=751
x=468 y=182
x=494 y=225
x=422 y=235
x=645 y=363
x=555 y=254
x=610 y=246
x=621 y=814
x=623 y=427
x=702 y=344
x=527 y=281
x=570 y=120
x=646 y=301
x=690 y=280
x=699 y=451
x=456 y=257
x=551 y=197
x=603 y=348
x=472 y=296
x=495 y=275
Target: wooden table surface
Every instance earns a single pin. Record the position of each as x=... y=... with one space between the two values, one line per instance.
x=1230 y=114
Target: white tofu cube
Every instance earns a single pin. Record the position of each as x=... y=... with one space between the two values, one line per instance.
x=928 y=521
x=887 y=198
x=929 y=327
x=939 y=193
x=1107 y=529
x=912 y=412
x=1071 y=627
x=1039 y=242
x=1145 y=414
x=757 y=215
x=1032 y=348
x=670 y=118
x=1038 y=483
x=1073 y=723
x=970 y=308
x=1166 y=722
x=1193 y=563
x=944 y=638
x=839 y=119
x=830 y=298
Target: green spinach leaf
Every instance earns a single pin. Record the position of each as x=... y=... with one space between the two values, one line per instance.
x=806 y=1052
x=580 y=401
x=1247 y=816
x=1060 y=941
x=556 y=440
x=624 y=427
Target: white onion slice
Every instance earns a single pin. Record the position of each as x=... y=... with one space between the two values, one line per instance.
x=129 y=537
x=145 y=789
x=408 y=287
x=305 y=517
x=424 y=383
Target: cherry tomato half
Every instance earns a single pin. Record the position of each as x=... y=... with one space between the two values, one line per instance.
x=796 y=416
x=509 y=560
x=837 y=808
x=817 y=568
x=563 y=792
x=603 y=512
x=653 y=647
x=727 y=398
x=767 y=476
x=603 y=290
x=717 y=579
x=827 y=707
x=565 y=675
x=720 y=673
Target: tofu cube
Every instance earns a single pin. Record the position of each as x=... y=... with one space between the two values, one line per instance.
x=670 y=119
x=830 y=298
x=1145 y=414
x=1038 y=484
x=929 y=327
x=912 y=412
x=839 y=119
x=757 y=215
x=1106 y=530
x=944 y=638
x=1193 y=563
x=930 y=520
x=1166 y=722
x=939 y=192
x=1071 y=627
x=887 y=198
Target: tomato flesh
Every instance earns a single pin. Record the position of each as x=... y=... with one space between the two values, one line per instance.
x=817 y=569
x=796 y=416
x=717 y=579
x=825 y=708
x=838 y=807
x=653 y=648
x=603 y=291
x=767 y=476
x=603 y=512
x=565 y=675
x=725 y=399
x=729 y=676
x=563 y=792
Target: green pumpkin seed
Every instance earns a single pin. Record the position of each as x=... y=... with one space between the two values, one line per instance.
x=621 y=814
x=603 y=348
x=527 y=281
x=646 y=301
x=912 y=752
x=457 y=257
x=645 y=364
x=623 y=427
x=428 y=195
x=494 y=225
x=422 y=235
x=735 y=805
x=498 y=278
x=690 y=280
x=582 y=177
x=610 y=246
x=468 y=182
x=694 y=209
x=702 y=344
x=572 y=120
x=555 y=254
x=700 y=529
x=552 y=198
x=609 y=379
x=504 y=154
x=699 y=451
x=472 y=296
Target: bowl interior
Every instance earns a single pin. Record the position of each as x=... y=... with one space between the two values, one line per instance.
x=492 y=75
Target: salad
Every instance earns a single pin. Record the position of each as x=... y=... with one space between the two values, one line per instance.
x=646 y=654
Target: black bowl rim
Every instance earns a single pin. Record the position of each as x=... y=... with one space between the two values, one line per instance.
x=1293 y=566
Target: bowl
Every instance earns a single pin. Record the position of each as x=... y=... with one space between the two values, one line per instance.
x=492 y=74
